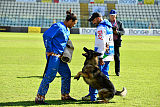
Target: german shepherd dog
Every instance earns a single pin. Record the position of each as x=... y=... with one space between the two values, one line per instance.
x=93 y=76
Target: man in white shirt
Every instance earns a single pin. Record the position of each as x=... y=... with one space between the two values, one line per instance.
x=103 y=44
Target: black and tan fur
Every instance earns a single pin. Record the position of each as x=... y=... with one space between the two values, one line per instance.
x=93 y=76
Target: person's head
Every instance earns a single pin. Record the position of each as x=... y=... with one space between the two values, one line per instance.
x=95 y=18
x=71 y=19
x=112 y=15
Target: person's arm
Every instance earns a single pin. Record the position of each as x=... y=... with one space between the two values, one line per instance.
x=101 y=62
x=120 y=31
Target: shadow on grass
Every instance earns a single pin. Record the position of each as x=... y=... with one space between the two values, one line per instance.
x=50 y=102
x=114 y=75
x=38 y=77
x=42 y=76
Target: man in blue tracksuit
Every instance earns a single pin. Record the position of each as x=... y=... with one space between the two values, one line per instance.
x=103 y=44
x=55 y=40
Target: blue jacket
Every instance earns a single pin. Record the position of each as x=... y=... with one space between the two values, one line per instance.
x=56 y=37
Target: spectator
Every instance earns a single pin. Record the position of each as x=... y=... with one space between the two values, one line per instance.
x=118 y=31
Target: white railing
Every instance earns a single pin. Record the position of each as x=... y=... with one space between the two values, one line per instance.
x=144 y=32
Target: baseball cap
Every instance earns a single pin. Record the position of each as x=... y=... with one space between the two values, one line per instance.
x=94 y=15
x=113 y=12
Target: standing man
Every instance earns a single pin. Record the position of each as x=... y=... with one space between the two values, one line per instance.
x=55 y=41
x=118 y=31
x=104 y=45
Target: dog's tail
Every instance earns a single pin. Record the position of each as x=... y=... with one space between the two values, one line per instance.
x=122 y=93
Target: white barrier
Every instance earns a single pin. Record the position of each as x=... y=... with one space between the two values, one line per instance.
x=145 y=32
x=88 y=31
x=68 y=1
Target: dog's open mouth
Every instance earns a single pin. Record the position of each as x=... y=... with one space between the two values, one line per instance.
x=84 y=54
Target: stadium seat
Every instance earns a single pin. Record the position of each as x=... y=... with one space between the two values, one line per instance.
x=38 y=13
x=139 y=13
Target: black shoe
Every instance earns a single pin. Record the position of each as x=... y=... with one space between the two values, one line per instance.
x=117 y=73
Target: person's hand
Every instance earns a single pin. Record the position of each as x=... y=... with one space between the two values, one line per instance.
x=49 y=53
x=107 y=48
x=115 y=32
x=101 y=61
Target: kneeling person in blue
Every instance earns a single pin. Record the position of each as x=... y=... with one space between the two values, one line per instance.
x=55 y=41
x=103 y=44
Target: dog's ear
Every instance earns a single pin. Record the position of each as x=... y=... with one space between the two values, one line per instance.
x=85 y=49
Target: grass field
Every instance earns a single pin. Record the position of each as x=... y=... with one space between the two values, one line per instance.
x=22 y=62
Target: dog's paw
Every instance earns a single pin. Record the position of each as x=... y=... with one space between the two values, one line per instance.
x=76 y=77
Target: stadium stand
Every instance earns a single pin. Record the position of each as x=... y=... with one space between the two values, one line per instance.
x=39 y=14
x=139 y=16
x=35 y=14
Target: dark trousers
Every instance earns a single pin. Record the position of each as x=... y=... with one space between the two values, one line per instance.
x=117 y=59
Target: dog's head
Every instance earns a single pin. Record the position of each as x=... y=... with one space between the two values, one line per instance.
x=90 y=53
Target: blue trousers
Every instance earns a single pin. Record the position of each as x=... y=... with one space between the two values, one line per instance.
x=104 y=68
x=56 y=65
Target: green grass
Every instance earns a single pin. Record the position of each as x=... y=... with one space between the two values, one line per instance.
x=22 y=62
